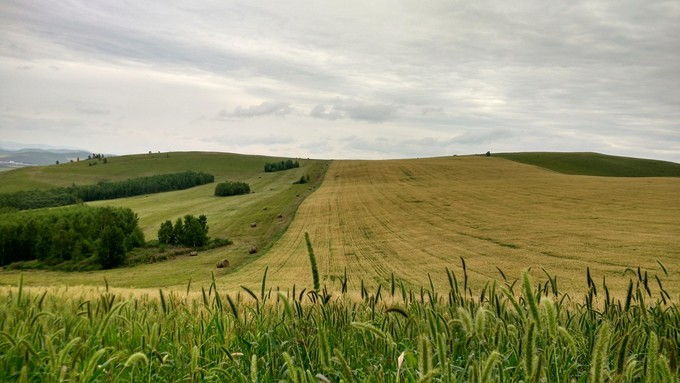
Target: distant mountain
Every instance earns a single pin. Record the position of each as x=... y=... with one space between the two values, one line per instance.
x=10 y=159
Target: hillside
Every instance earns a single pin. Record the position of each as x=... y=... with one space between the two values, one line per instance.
x=271 y=205
x=596 y=164
x=415 y=218
x=411 y=218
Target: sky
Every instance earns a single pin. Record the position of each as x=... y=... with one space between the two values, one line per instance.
x=342 y=79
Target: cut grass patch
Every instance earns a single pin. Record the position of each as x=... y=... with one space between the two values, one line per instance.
x=596 y=164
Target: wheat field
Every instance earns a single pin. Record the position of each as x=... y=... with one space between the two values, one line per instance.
x=416 y=218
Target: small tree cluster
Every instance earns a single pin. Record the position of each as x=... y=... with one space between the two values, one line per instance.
x=281 y=165
x=229 y=188
x=191 y=231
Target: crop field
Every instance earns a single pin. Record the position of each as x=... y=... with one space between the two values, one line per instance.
x=452 y=269
x=414 y=218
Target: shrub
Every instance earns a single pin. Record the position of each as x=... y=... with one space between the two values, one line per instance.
x=281 y=165
x=225 y=189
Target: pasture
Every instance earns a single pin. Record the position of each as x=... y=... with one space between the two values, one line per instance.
x=273 y=195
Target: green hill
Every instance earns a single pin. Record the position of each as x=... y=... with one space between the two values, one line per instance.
x=271 y=205
x=221 y=165
x=596 y=164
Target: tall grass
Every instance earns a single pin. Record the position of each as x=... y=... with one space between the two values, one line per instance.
x=497 y=334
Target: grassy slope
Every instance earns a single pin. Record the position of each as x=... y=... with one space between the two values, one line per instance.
x=414 y=217
x=228 y=217
x=595 y=164
x=417 y=217
x=222 y=165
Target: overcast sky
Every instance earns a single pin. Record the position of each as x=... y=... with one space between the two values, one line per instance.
x=343 y=79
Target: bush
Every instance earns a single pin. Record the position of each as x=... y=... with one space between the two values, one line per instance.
x=229 y=188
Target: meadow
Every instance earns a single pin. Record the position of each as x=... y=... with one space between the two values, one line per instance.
x=273 y=195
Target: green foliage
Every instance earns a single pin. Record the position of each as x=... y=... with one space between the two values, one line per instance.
x=192 y=232
x=229 y=188
x=104 y=190
x=595 y=164
x=285 y=336
x=111 y=249
x=166 y=234
x=281 y=165
x=312 y=261
x=73 y=234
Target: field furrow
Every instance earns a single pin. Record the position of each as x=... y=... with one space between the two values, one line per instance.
x=414 y=217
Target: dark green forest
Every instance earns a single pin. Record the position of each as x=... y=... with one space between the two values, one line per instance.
x=99 y=236
x=281 y=165
x=191 y=232
x=36 y=199
x=229 y=188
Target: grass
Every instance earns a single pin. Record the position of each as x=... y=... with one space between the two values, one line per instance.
x=595 y=164
x=223 y=165
x=444 y=269
x=502 y=333
x=274 y=195
x=376 y=219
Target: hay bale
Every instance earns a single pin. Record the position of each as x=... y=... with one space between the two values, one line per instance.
x=254 y=224
x=252 y=250
x=222 y=264
x=279 y=216
x=193 y=253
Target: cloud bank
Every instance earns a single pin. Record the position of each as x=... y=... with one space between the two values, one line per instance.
x=343 y=79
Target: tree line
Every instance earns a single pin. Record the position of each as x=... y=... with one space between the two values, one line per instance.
x=35 y=199
x=191 y=232
x=229 y=188
x=281 y=165
x=98 y=235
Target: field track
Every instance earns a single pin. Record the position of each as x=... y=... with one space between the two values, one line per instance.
x=414 y=217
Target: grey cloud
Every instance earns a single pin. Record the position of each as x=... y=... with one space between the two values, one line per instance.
x=94 y=111
x=249 y=140
x=538 y=71
x=267 y=108
x=482 y=136
x=355 y=110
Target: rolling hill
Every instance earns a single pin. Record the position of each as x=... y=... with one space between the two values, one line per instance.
x=408 y=218
x=596 y=164
x=11 y=159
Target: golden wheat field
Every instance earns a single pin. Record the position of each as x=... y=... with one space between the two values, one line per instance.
x=415 y=218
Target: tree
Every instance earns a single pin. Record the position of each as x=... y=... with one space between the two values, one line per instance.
x=488 y=154
x=111 y=249
x=178 y=232
x=166 y=233
x=194 y=233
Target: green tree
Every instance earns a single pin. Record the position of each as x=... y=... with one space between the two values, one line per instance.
x=111 y=249
x=166 y=233
x=194 y=234
x=178 y=232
